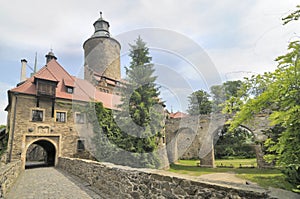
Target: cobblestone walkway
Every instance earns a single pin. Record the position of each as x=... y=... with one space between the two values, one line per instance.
x=42 y=183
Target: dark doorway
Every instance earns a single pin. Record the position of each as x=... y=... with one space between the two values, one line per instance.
x=41 y=153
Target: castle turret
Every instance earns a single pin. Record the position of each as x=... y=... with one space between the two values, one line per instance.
x=102 y=53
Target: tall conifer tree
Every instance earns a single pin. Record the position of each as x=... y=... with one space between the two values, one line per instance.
x=141 y=117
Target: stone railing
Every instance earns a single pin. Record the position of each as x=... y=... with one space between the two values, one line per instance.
x=114 y=181
x=8 y=175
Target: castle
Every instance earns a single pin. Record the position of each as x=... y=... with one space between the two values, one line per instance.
x=42 y=108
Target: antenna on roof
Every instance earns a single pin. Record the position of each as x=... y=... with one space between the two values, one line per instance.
x=101 y=14
x=35 y=63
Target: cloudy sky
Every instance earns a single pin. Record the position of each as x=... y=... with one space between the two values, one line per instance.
x=196 y=42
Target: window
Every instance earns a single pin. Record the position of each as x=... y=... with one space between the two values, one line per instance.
x=70 y=90
x=80 y=145
x=79 y=118
x=61 y=116
x=45 y=88
x=37 y=115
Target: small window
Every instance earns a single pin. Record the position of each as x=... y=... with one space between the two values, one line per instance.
x=37 y=115
x=79 y=118
x=61 y=116
x=70 y=90
x=80 y=145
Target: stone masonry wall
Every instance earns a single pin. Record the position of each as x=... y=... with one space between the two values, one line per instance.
x=8 y=175
x=115 y=181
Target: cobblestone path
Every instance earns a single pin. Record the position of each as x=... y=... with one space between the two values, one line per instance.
x=48 y=182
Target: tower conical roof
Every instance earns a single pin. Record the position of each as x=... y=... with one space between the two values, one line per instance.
x=101 y=27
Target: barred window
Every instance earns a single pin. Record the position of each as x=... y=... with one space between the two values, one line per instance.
x=37 y=115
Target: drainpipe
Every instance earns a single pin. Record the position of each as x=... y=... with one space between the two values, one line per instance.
x=13 y=128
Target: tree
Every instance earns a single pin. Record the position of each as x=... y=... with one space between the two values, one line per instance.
x=226 y=95
x=236 y=144
x=199 y=103
x=141 y=118
x=292 y=17
x=279 y=94
x=281 y=97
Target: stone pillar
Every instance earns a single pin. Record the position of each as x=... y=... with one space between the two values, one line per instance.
x=208 y=160
x=261 y=163
x=172 y=151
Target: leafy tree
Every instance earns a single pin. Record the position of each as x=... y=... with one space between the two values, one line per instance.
x=236 y=144
x=199 y=103
x=279 y=94
x=281 y=97
x=226 y=95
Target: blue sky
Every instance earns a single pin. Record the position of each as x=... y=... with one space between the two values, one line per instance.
x=199 y=42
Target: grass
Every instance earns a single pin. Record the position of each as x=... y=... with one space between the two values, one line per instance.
x=263 y=177
x=236 y=162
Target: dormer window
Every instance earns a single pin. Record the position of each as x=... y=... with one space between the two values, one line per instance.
x=45 y=87
x=70 y=90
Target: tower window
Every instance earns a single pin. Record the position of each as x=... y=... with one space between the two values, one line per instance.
x=37 y=115
x=60 y=116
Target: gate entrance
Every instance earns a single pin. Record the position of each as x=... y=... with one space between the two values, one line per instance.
x=40 y=153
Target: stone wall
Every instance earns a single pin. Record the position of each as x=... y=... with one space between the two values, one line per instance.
x=115 y=181
x=8 y=175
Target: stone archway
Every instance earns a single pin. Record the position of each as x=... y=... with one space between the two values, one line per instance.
x=180 y=143
x=237 y=144
x=48 y=154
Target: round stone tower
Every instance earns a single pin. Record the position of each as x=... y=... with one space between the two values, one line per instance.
x=102 y=53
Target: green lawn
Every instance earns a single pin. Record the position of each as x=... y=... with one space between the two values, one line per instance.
x=236 y=162
x=263 y=177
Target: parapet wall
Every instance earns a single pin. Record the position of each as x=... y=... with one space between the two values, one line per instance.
x=8 y=175
x=114 y=181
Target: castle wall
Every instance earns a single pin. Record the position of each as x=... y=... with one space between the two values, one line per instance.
x=114 y=181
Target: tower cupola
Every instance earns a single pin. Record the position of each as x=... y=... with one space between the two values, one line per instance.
x=101 y=54
x=101 y=27
x=50 y=56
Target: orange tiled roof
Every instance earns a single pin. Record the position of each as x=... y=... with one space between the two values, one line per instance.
x=83 y=90
x=178 y=115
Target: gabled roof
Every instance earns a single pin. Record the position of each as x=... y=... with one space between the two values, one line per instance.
x=178 y=115
x=83 y=90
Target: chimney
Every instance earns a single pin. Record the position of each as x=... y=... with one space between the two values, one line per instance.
x=23 y=70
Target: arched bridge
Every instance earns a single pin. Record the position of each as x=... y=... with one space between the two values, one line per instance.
x=193 y=136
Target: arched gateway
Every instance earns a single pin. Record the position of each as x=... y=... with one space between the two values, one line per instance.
x=50 y=150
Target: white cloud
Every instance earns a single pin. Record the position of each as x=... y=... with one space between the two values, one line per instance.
x=237 y=35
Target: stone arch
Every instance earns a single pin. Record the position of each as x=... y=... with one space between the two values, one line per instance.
x=50 y=147
x=180 y=143
x=208 y=160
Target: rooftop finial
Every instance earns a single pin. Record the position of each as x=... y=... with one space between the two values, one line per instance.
x=100 y=14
